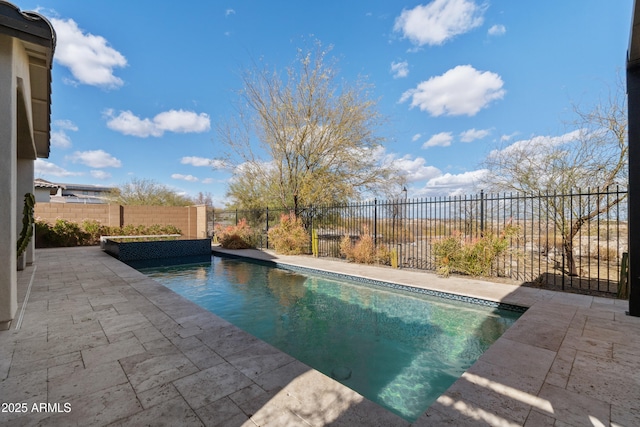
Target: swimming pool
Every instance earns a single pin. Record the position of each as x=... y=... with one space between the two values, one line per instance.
x=398 y=349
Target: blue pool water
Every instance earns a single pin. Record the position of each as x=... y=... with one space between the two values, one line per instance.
x=398 y=349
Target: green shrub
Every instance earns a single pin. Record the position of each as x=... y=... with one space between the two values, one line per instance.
x=133 y=230
x=289 y=237
x=239 y=236
x=170 y=229
x=95 y=229
x=44 y=235
x=475 y=256
x=66 y=233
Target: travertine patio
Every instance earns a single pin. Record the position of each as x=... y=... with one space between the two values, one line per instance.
x=118 y=348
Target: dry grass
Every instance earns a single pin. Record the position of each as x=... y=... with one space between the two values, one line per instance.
x=364 y=251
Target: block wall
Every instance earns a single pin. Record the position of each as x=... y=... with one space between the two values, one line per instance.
x=185 y=218
x=78 y=213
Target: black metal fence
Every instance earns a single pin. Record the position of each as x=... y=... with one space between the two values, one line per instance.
x=571 y=241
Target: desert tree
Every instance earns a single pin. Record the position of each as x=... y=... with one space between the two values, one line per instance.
x=203 y=199
x=592 y=157
x=147 y=192
x=303 y=137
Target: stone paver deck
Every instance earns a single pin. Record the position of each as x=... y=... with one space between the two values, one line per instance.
x=102 y=344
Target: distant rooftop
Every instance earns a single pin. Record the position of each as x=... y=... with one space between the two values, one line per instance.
x=42 y=183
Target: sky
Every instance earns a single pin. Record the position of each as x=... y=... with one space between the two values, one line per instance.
x=140 y=87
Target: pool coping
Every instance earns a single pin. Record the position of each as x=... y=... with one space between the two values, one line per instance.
x=123 y=349
x=378 y=283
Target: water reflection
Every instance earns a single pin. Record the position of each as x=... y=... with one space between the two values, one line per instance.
x=401 y=350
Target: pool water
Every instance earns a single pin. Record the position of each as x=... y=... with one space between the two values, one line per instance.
x=399 y=349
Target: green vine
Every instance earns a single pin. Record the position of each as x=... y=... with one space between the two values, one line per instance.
x=27 y=223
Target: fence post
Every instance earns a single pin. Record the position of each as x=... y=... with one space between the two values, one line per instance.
x=314 y=243
x=267 y=227
x=481 y=213
x=375 y=223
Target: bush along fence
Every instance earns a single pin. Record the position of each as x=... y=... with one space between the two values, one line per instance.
x=573 y=241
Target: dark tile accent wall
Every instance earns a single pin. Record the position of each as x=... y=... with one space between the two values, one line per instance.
x=134 y=251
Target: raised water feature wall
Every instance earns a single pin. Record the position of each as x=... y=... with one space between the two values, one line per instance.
x=150 y=250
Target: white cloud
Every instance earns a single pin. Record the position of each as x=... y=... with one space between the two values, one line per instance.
x=43 y=168
x=442 y=139
x=453 y=184
x=416 y=169
x=189 y=178
x=65 y=124
x=60 y=139
x=203 y=161
x=129 y=124
x=497 y=30
x=208 y=181
x=433 y=181
x=181 y=121
x=196 y=161
x=229 y=12
x=505 y=138
x=178 y=121
x=439 y=21
x=537 y=142
x=89 y=58
x=400 y=69
x=473 y=134
x=99 y=174
x=416 y=137
x=461 y=90
x=96 y=159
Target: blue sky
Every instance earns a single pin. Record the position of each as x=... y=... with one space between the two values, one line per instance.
x=139 y=86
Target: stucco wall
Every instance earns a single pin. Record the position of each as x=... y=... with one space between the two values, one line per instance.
x=16 y=171
x=8 y=177
x=26 y=50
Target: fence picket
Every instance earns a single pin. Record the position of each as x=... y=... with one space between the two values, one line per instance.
x=539 y=254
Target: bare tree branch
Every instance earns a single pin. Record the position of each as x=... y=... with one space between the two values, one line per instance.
x=595 y=155
x=303 y=137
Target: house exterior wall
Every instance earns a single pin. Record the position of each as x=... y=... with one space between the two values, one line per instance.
x=633 y=105
x=14 y=65
x=42 y=195
x=27 y=43
x=8 y=148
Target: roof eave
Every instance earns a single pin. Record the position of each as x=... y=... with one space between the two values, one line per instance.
x=39 y=39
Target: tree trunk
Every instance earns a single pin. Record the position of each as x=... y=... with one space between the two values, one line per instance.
x=572 y=269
